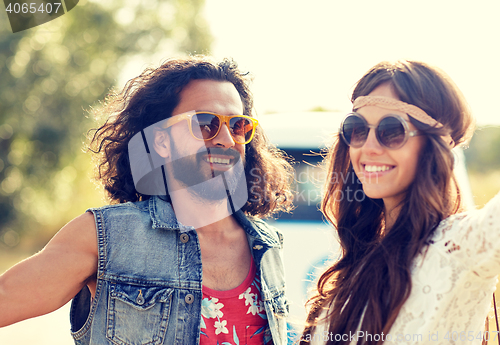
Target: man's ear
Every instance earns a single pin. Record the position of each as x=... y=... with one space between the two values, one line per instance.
x=161 y=142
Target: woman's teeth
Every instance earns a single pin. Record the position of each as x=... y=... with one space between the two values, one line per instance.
x=377 y=168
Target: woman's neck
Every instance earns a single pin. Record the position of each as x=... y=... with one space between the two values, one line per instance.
x=391 y=215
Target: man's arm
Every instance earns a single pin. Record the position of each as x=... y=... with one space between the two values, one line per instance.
x=48 y=280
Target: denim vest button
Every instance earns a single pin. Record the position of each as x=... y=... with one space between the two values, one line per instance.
x=189 y=298
x=140 y=300
x=184 y=238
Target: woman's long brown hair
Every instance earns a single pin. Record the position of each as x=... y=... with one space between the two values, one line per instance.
x=373 y=275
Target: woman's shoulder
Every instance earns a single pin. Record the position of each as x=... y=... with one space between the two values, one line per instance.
x=472 y=237
x=488 y=216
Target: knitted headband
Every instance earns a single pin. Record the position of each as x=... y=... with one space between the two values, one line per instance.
x=394 y=104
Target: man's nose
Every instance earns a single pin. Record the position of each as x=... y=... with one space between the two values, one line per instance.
x=224 y=137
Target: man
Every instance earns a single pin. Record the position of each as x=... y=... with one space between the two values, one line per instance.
x=182 y=256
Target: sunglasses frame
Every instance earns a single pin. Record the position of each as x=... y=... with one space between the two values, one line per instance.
x=222 y=119
x=408 y=133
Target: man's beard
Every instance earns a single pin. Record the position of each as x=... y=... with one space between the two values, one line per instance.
x=193 y=171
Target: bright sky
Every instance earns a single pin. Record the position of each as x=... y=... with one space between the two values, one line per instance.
x=309 y=54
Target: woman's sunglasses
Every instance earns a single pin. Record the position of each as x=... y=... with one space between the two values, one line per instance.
x=205 y=125
x=392 y=131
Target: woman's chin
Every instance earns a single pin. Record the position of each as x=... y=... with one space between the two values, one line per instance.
x=374 y=193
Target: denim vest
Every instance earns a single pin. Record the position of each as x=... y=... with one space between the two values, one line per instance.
x=149 y=278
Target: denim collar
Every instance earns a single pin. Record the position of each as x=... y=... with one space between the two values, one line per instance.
x=163 y=216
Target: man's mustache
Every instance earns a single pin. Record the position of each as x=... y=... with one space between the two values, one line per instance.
x=217 y=151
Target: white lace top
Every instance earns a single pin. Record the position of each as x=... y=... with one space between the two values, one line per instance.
x=452 y=284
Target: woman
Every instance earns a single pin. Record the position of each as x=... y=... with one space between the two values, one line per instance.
x=413 y=268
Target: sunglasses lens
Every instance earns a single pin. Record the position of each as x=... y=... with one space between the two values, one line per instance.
x=205 y=126
x=354 y=131
x=391 y=132
x=241 y=129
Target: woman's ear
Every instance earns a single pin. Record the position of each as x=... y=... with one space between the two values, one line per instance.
x=161 y=142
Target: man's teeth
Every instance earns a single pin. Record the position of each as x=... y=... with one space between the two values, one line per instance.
x=218 y=160
x=376 y=168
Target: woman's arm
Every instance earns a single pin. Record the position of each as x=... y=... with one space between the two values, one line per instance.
x=49 y=279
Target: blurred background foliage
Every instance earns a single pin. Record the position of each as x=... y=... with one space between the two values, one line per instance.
x=483 y=163
x=50 y=77
x=483 y=155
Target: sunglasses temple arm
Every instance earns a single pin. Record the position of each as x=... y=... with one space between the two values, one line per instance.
x=174 y=120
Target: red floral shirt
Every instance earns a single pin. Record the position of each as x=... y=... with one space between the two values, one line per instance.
x=235 y=317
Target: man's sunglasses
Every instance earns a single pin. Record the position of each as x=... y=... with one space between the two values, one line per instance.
x=392 y=131
x=205 y=125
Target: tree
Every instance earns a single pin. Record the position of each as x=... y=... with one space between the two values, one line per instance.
x=50 y=76
x=483 y=155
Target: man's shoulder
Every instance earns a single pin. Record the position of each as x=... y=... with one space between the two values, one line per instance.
x=264 y=228
x=260 y=223
x=127 y=207
x=155 y=212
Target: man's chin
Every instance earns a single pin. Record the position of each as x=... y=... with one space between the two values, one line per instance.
x=214 y=190
x=210 y=196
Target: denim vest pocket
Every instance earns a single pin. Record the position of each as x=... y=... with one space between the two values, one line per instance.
x=138 y=315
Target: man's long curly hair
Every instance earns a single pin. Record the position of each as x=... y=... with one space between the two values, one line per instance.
x=151 y=97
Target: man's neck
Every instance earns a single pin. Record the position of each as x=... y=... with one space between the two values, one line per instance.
x=220 y=227
x=207 y=215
